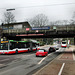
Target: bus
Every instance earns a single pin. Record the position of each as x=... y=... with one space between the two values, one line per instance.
x=63 y=44
x=12 y=46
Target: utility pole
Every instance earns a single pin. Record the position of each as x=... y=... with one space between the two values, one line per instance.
x=1 y=29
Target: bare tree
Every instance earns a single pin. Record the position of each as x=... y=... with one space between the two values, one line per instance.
x=60 y=22
x=8 y=17
x=39 y=20
x=52 y=23
x=73 y=19
x=65 y=22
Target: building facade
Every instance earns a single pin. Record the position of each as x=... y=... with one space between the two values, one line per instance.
x=15 y=27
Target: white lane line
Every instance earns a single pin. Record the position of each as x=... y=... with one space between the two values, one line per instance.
x=73 y=56
x=5 y=60
x=42 y=60
x=45 y=66
x=61 y=69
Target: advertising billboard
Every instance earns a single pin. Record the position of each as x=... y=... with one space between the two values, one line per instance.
x=41 y=28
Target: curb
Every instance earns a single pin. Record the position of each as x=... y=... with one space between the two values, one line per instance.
x=45 y=66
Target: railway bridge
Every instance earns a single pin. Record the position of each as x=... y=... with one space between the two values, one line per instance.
x=52 y=31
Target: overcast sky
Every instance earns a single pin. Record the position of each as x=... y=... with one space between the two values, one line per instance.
x=26 y=9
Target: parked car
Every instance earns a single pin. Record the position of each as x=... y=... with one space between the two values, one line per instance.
x=41 y=52
x=52 y=49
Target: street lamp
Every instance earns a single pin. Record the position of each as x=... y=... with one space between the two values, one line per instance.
x=10 y=9
x=1 y=29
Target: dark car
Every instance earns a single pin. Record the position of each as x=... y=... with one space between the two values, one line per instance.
x=41 y=52
x=52 y=49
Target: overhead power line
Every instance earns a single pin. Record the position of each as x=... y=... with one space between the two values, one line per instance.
x=42 y=5
x=46 y=5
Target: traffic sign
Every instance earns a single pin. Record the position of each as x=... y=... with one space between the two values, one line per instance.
x=27 y=29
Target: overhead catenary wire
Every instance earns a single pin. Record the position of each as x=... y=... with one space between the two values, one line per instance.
x=47 y=5
x=42 y=5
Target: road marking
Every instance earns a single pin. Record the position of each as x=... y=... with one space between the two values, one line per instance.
x=44 y=66
x=4 y=59
x=73 y=56
x=42 y=60
x=61 y=69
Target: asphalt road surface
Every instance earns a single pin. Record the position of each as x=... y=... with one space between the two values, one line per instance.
x=25 y=63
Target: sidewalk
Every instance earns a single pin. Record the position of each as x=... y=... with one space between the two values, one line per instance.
x=64 y=64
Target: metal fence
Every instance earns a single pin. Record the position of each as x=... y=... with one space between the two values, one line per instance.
x=58 y=28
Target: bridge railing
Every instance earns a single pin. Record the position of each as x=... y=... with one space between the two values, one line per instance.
x=60 y=32
x=58 y=28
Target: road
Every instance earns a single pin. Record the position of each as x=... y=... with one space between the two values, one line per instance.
x=25 y=63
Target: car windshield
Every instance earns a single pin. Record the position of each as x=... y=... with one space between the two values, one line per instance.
x=40 y=50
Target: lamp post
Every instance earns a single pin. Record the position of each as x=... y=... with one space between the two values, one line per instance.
x=0 y=38
x=10 y=9
x=1 y=29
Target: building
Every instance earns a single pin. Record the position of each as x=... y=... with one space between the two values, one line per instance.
x=15 y=27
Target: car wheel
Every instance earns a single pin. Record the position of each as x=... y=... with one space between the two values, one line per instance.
x=45 y=55
x=16 y=51
x=36 y=48
x=28 y=50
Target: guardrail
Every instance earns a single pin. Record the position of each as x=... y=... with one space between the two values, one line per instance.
x=58 y=28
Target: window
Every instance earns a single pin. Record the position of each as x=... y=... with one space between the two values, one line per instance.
x=63 y=42
x=40 y=50
x=4 y=46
